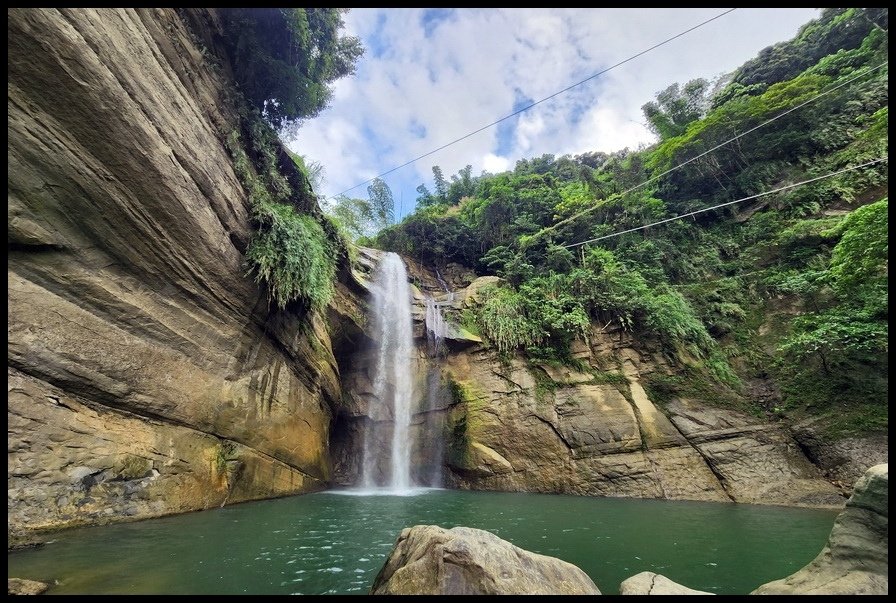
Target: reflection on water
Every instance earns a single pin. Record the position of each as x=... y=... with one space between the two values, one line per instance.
x=332 y=543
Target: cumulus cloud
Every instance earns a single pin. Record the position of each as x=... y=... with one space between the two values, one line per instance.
x=430 y=76
x=495 y=164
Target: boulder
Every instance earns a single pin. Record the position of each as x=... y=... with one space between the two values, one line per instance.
x=855 y=559
x=649 y=583
x=429 y=560
x=19 y=586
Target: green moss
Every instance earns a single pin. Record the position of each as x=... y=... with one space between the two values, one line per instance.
x=464 y=420
x=544 y=385
x=696 y=384
x=850 y=402
x=608 y=377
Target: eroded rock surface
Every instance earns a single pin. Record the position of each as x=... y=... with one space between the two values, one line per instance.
x=146 y=373
x=429 y=560
x=550 y=430
x=855 y=560
x=649 y=583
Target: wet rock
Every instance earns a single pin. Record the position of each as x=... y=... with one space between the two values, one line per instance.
x=649 y=583
x=855 y=560
x=19 y=586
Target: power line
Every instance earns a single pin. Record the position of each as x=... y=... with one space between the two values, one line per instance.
x=700 y=211
x=547 y=98
x=715 y=148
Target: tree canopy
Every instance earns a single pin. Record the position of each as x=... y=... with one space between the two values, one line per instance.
x=284 y=59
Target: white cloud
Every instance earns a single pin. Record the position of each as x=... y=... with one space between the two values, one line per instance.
x=495 y=164
x=416 y=90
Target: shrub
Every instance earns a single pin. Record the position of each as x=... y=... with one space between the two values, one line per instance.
x=503 y=320
x=290 y=251
x=292 y=254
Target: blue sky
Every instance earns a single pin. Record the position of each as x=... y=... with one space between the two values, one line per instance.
x=429 y=76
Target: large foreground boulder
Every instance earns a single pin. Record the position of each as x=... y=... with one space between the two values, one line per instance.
x=649 y=583
x=855 y=560
x=429 y=560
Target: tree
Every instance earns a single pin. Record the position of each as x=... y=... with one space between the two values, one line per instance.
x=284 y=59
x=381 y=202
x=440 y=183
x=675 y=107
x=462 y=185
x=860 y=258
x=355 y=216
x=835 y=29
x=425 y=198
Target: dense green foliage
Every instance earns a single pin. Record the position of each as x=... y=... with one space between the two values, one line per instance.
x=290 y=251
x=837 y=29
x=674 y=108
x=285 y=58
x=283 y=61
x=361 y=218
x=790 y=286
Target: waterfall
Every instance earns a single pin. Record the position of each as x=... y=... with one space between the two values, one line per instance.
x=436 y=333
x=392 y=380
x=435 y=328
x=442 y=282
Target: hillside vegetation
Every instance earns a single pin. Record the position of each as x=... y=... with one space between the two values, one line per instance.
x=790 y=286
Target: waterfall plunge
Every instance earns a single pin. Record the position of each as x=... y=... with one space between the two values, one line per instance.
x=393 y=386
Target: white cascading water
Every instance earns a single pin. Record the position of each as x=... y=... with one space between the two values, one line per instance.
x=393 y=385
x=436 y=328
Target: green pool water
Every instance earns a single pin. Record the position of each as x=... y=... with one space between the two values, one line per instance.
x=336 y=543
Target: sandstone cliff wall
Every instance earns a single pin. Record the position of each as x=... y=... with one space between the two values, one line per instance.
x=146 y=373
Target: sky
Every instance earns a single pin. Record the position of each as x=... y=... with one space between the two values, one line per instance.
x=429 y=76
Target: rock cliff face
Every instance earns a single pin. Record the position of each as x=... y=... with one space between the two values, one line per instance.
x=146 y=373
x=595 y=431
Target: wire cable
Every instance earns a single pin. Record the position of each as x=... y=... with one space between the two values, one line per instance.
x=727 y=203
x=715 y=148
x=538 y=102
